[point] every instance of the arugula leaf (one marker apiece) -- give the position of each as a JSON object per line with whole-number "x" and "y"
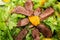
{"x": 4, "y": 14}
{"x": 58, "y": 20}
{"x": 19, "y": 2}
{"x": 13, "y": 19}
{"x": 49, "y": 3}
{"x": 9, "y": 35}
{"x": 15, "y": 31}
{"x": 2, "y": 35}
{"x": 29, "y": 35}
{"x": 51, "y": 22}
{"x": 5, "y": 35}
{"x": 57, "y": 7}
{"x": 35, "y": 1}
{"x": 3, "y": 26}
{"x": 36, "y": 4}
{"x": 57, "y": 34}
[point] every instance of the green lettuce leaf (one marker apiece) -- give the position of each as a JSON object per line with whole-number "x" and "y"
{"x": 51, "y": 22}
{"x": 3, "y": 26}
{"x": 49, "y": 3}
{"x": 13, "y": 19}
{"x": 57, "y": 7}
{"x": 29, "y": 35}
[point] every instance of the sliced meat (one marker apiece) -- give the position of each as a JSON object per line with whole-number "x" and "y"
{"x": 23, "y": 22}
{"x": 29, "y": 5}
{"x": 37, "y": 12}
{"x": 31, "y": 12}
{"x": 48, "y": 12}
{"x": 21, "y": 10}
{"x": 30, "y": 26}
{"x": 21, "y": 35}
{"x": 45, "y": 31}
{"x": 36, "y": 34}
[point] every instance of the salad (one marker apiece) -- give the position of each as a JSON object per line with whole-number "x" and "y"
{"x": 29, "y": 19}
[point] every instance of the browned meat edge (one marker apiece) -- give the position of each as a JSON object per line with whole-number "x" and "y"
{"x": 36, "y": 34}
{"x": 37, "y": 12}
{"x": 21, "y": 10}
{"x": 23, "y": 22}
{"x": 29, "y": 5}
{"x": 45, "y": 31}
{"x": 21, "y": 35}
{"x": 48, "y": 12}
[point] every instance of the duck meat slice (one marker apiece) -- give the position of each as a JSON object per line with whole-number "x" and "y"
{"x": 23, "y": 22}
{"x": 45, "y": 31}
{"x": 36, "y": 34}
{"x": 21, "y": 10}
{"x": 37, "y": 12}
{"x": 21, "y": 34}
{"x": 48, "y": 12}
{"x": 29, "y": 5}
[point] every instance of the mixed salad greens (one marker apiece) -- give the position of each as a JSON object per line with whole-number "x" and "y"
{"x": 8, "y": 22}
